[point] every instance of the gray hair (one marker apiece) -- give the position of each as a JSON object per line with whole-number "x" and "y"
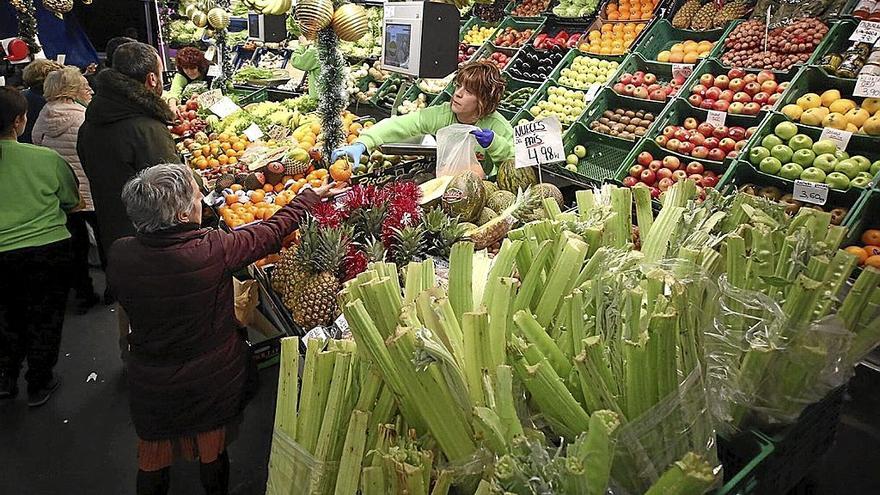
{"x": 156, "y": 195}
{"x": 64, "y": 83}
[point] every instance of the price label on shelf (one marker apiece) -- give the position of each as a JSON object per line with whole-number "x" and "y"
{"x": 224, "y": 107}
{"x": 210, "y": 53}
{"x": 716, "y": 118}
{"x": 866, "y": 32}
{"x": 538, "y": 143}
{"x": 61, "y": 58}
{"x": 214, "y": 70}
{"x": 592, "y": 92}
{"x": 840, "y": 138}
{"x": 683, "y": 70}
{"x": 341, "y": 323}
{"x": 2, "y": 81}
{"x": 867, "y": 86}
{"x": 810, "y": 192}
{"x": 253, "y": 133}
{"x": 389, "y": 11}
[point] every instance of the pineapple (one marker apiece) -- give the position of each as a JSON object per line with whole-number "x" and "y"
{"x": 494, "y": 230}
{"x": 730, "y": 11}
{"x": 295, "y": 167}
{"x": 409, "y": 244}
{"x": 58, "y": 7}
{"x": 441, "y": 232}
{"x": 704, "y": 17}
{"x": 682, "y": 18}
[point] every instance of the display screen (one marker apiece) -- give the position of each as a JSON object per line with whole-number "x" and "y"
{"x": 398, "y": 38}
{"x": 254, "y": 26}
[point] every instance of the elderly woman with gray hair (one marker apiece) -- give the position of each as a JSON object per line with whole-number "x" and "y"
{"x": 189, "y": 367}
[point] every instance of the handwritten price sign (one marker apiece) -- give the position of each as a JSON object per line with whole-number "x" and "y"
{"x": 538, "y": 143}
{"x": 683, "y": 70}
{"x": 867, "y": 86}
{"x": 840, "y": 138}
{"x": 866, "y": 32}
{"x": 810, "y": 192}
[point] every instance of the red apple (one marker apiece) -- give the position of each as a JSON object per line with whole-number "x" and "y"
{"x": 671, "y": 162}
{"x": 740, "y": 145}
{"x": 713, "y": 93}
{"x": 736, "y": 73}
{"x": 673, "y": 144}
{"x": 650, "y": 78}
{"x": 736, "y": 84}
{"x": 629, "y": 89}
{"x": 669, "y": 131}
{"x": 697, "y": 139}
{"x": 630, "y": 181}
{"x": 736, "y": 133}
{"x": 664, "y": 173}
{"x": 706, "y": 129}
{"x": 727, "y": 144}
{"x": 720, "y": 132}
{"x": 700, "y": 152}
{"x": 732, "y": 154}
{"x": 665, "y": 184}
{"x": 695, "y": 100}
{"x": 710, "y": 173}
{"x": 766, "y": 75}
{"x": 736, "y": 108}
{"x": 655, "y": 192}
{"x": 717, "y": 155}
{"x": 751, "y": 108}
{"x": 698, "y": 89}
{"x": 626, "y": 78}
{"x": 709, "y": 181}
{"x": 681, "y": 134}
{"x": 695, "y": 177}
{"x": 722, "y": 81}
{"x": 657, "y": 94}
{"x": 773, "y": 98}
{"x": 742, "y": 97}
{"x": 707, "y": 80}
{"x": 648, "y": 177}
{"x": 748, "y": 78}
{"x": 782, "y": 87}
{"x": 727, "y": 95}
{"x": 686, "y": 147}
{"x": 769, "y": 86}
{"x": 644, "y": 158}
{"x": 711, "y": 142}
{"x": 641, "y": 92}
{"x": 751, "y": 131}
{"x": 721, "y": 105}
{"x": 752, "y": 88}
{"x": 690, "y": 123}
{"x": 707, "y": 104}
{"x": 761, "y": 98}
{"x": 636, "y": 170}
{"x": 661, "y": 140}
{"x": 694, "y": 168}
{"x": 638, "y": 79}
{"x": 679, "y": 175}
{"x": 619, "y": 88}
{"x": 655, "y": 165}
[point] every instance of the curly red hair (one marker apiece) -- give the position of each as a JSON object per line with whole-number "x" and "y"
{"x": 189, "y": 58}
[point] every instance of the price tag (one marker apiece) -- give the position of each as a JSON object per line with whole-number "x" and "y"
{"x": 592, "y": 92}
{"x": 866, "y": 32}
{"x": 810, "y": 192}
{"x": 61, "y": 58}
{"x": 538, "y": 143}
{"x": 341, "y": 323}
{"x": 2, "y": 81}
{"x": 211, "y": 52}
{"x": 253, "y": 133}
{"x": 389, "y": 11}
{"x": 867, "y": 86}
{"x": 214, "y": 70}
{"x": 716, "y": 118}
{"x": 840, "y": 138}
{"x": 683, "y": 70}
{"x": 224, "y": 107}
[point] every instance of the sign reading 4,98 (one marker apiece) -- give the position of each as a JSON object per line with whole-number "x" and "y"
{"x": 538, "y": 143}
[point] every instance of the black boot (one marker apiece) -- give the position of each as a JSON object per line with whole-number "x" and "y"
{"x": 40, "y": 395}
{"x": 215, "y": 475}
{"x": 153, "y": 482}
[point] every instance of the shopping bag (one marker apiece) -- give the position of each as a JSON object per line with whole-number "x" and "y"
{"x": 455, "y": 151}
{"x": 246, "y": 299}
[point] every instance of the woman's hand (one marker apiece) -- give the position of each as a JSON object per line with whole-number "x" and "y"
{"x": 330, "y": 189}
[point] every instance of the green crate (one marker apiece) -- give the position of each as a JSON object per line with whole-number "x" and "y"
{"x": 605, "y": 154}
{"x": 247, "y": 95}
{"x": 442, "y": 98}
{"x": 476, "y": 21}
{"x": 863, "y": 216}
{"x": 597, "y": 26}
{"x": 533, "y": 23}
{"x": 633, "y": 63}
{"x": 607, "y": 99}
{"x": 662, "y": 36}
{"x": 743, "y": 458}
{"x": 513, "y": 85}
{"x": 488, "y": 49}
{"x": 528, "y": 49}
{"x": 573, "y": 54}
{"x": 513, "y": 4}
{"x": 840, "y": 42}
{"x": 385, "y": 84}
{"x": 679, "y": 110}
{"x": 539, "y": 96}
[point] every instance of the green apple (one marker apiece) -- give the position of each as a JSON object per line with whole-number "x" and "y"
{"x": 841, "y": 155}
{"x": 758, "y": 153}
{"x": 848, "y": 167}
{"x": 804, "y": 157}
{"x": 864, "y": 163}
{"x": 800, "y": 141}
{"x": 785, "y": 130}
{"x": 837, "y": 180}
{"x": 861, "y": 181}
{"x": 580, "y": 151}
{"x": 571, "y": 159}
{"x": 813, "y": 174}
{"x": 770, "y": 165}
{"x": 875, "y": 168}
{"x": 782, "y": 153}
{"x": 826, "y": 162}
{"x": 770, "y": 141}
{"x": 823, "y": 146}
{"x": 791, "y": 171}
{"x": 571, "y": 167}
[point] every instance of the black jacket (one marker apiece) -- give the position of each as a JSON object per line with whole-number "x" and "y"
{"x": 125, "y": 131}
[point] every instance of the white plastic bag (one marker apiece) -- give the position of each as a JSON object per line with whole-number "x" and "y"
{"x": 455, "y": 151}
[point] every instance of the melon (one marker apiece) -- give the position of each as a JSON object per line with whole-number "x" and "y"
{"x": 433, "y": 189}
{"x": 490, "y": 187}
{"x": 486, "y": 214}
{"x": 464, "y": 197}
{"x": 513, "y": 179}
{"x": 500, "y": 200}
{"x": 537, "y": 212}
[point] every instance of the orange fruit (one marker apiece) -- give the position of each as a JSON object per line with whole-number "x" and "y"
{"x": 238, "y": 146}
{"x": 222, "y": 159}
{"x": 278, "y": 187}
{"x": 232, "y": 160}
{"x": 316, "y": 182}
{"x": 872, "y": 250}
{"x": 871, "y": 236}
{"x": 197, "y": 153}
{"x": 247, "y": 217}
{"x": 258, "y": 195}
{"x": 230, "y": 152}
{"x": 340, "y": 171}
{"x": 213, "y": 163}
{"x": 873, "y": 261}
{"x": 235, "y": 187}
{"x": 236, "y": 223}
{"x": 860, "y": 253}
{"x": 231, "y": 199}
{"x": 225, "y": 146}
{"x": 268, "y": 187}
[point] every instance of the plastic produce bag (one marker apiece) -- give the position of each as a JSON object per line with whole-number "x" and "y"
{"x": 246, "y": 299}
{"x": 455, "y": 151}
{"x": 293, "y": 470}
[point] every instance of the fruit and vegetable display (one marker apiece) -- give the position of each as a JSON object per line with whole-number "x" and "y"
{"x": 498, "y": 59}
{"x": 370, "y": 44}
{"x": 407, "y": 106}
{"x": 585, "y": 71}
{"x": 831, "y": 109}
{"x": 387, "y": 94}
{"x": 613, "y": 38}
{"x": 514, "y": 100}
{"x": 860, "y": 58}
{"x": 530, "y": 8}
{"x": 512, "y": 37}
{"x": 491, "y": 11}
{"x": 478, "y": 34}
{"x": 791, "y": 205}
{"x": 646, "y": 86}
{"x": 563, "y": 103}
{"x": 188, "y": 121}
{"x": 433, "y": 86}
{"x": 532, "y": 64}
{"x": 626, "y": 10}
{"x": 688, "y": 52}
{"x": 789, "y": 154}
{"x": 465, "y": 52}
{"x": 575, "y": 8}
{"x": 698, "y": 15}
{"x": 703, "y": 140}
{"x": 785, "y": 46}
{"x": 623, "y": 123}
{"x": 868, "y": 249}
{"x": 214, "y": 153}
{"x": 737, "y": 92}
{"x": 561, "y": 40}
{"x": 660, "y": 174}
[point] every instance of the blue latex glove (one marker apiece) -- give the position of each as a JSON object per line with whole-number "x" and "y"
{"x": 353, "y": 150}
{"x": 484, "y": 137}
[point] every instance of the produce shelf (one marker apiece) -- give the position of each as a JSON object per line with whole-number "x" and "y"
{"x": 573, "y": 54}
{"x": 864, "y": 216}
{"x": 533, "y": 23}
{"x": 597, "y": 26}
{"x": 633, "y": 63}
{"x": 514, "y": 85}
{"x": 840, "y": 41}
{"x": 743, "y": 457}
{"x": 476, "y": 21}
{"x": 662, "y": 36}
{"x": 673, "y": 5}
{"x": 523, "y": 57}
{"x": 605, "y": 154}
{"x": 607, "y": 99}
{"x": 601, "y": 12}
{"x": 488, "y": 49}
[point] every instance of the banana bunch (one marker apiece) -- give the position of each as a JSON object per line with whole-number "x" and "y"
{"x": 270, "y": 7}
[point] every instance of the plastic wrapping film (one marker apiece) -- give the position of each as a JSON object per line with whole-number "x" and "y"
{"x": 784, "y": 12}
{"x": 294, "y": 471}
{"x": 761, "y": 371}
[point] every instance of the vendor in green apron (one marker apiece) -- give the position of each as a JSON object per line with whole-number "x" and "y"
{"x": 478, "y": 90}
{"x": 305, "y": 58}
{"x": 191, "y": 66}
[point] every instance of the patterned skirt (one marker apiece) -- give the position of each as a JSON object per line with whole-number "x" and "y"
{"x": 154, "y": 455}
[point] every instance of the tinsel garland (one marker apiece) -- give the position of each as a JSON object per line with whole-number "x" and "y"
{"x": 331, "y": 85}
{"x": 166, "y": 16}
{"x": 27, "y": 25}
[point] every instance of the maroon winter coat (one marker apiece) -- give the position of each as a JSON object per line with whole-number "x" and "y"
{"x": 188, "y": 364}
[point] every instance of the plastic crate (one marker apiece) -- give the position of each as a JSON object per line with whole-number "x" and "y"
{"x": 602, "y": 11}
{"x": 605, "y": 153}
{"x": 476, "y": 21}
{"x": 607, "y": 99}
{"x": 662, "y": 36}
{"x": 743, "y": 458}
{"x": 540, "y": 95}
{"x": 247, "y": 95}
{"x": 597, "y": 26}
{"x": 515, "y": 3}
{"x": 513, "y": 85}
{"x": 488, "y": 49}
{"x": 262, "y": 51}
{"x": 863, "y": 216}
{"x": 573, "y": 54}
{"x": 679, "y": 110}
{"x": 840, "y": 42}
{"x": 633, "y": 63}
{"x": 527, "y": 51}
{"x": 674, "y": 5}
{"x": 533, "y": 23}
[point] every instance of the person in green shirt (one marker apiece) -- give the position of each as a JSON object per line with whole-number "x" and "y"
{"x": 478, "y": 90}
{"x": 38, "y": 187}
{"x": 305, "y": 58}
{"x": 191, "y": 66}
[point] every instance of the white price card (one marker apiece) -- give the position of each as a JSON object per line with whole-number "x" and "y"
{"x": 253, "y": 133}
{"x": 840, "y": 138}
{"x": 867, "y": 86}
{"x": 716, "y": 118}
{"x": 2, "y": 81}
{"x": 810, "y": 192}
{"x": 538, "y": 143}
{"x": 341, "y": 323}
{"x": 389, "y": 11}
{"x": 683, "y": 70}
{"x": 224, "y": 107}
{"x": 210, "y": 53}
{"x": 866, "y": 32}
{"x": 214, "y": 70}
{"x": 592, "y": 92}
{"x": 61, "y": 58}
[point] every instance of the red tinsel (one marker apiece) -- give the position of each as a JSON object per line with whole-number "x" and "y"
{"x": 355, "y": 262}
{"x": 329, "y": 214}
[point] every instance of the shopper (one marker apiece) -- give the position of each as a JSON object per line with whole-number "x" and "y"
{"x": 189, "y": 369}
{"x": 112, "y": 45}
{"x": 67, "y": 93}
{"x": 191, "y": 66}
{"x": 125, "y": 131}
{"x": 38, "y": 187}
{"x": 479, "y": 87}
{"x": 33, "y": 77}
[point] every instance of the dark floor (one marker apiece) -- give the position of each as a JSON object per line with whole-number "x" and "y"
{"x": 83, "y": 442}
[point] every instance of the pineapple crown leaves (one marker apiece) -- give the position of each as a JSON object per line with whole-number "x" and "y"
{"x": 322, "y": 249}
{"x": 409, "y": 244}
